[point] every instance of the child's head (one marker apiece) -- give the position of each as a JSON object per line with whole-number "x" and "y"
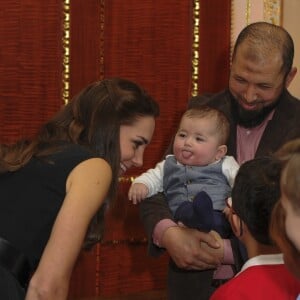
{"x": 286, "y": 215}
{"x": 201, "y": 136}
{"x": 289, "y": 154}
{"x": 254, "y": 194}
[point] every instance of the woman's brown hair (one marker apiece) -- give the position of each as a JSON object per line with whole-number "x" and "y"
{"x": 91, "y": 119}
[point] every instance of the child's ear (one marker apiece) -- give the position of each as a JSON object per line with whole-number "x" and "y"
{"x": 235, "y": 223}
{"x": 221, "y": 152}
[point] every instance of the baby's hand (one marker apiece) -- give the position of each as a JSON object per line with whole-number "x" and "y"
{"x": 137, "y": 192}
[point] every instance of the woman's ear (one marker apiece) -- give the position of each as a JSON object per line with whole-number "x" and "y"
{"x": 221, "y": 152}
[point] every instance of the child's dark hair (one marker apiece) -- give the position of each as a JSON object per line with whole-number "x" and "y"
{"x": 289, "y": 155}
{"x": 255, "y": 192}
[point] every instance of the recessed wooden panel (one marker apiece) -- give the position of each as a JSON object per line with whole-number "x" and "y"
{"x": 84, "y": 43}
{"x": 31, "y": 65}
{"x": 150, "y": 42}
{"x": 147, "y": 41}
{"x": 214, "y": 46}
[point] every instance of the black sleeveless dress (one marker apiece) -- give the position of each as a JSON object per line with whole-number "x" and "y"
{"x": 30, "y": 200}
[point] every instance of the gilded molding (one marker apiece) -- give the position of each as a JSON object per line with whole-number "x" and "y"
{"x": 102, "y": 9}
{"x": 101, "y": 62}
{"x": 195, "y": 47}
{"x": 126, "y": 179}
{"x": 129, "y": 241}
{"x": 66, "y": 52}
{"x": 272, "y": 11}
{"x": 248, "y": 11}
{"x": 97, "y": 272}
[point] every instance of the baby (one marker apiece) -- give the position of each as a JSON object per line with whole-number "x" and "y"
{"x": 198, "y": 177}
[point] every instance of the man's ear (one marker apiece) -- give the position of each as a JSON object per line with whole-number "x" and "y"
{"x": 290, "y": 76}
{"x": 221, "y": 152}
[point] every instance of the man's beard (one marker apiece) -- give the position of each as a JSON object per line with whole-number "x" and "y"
{"x": 251, "y": 118}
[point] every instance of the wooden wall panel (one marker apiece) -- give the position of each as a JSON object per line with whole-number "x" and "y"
{"x": 150, "y": 42}
{"x": 30, "y": 65}
{"x": 84, "y": 67}
{"x": 84, "y": 43}
{"x": 147, "y": 41}
{"x": 142, "y": 41}
{"x": 214, "y": 48}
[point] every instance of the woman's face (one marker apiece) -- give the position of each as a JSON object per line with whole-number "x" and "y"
{"x": 133, "y": 141}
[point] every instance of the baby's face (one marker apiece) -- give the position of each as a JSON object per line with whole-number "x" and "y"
{"x": 197, "y": 142}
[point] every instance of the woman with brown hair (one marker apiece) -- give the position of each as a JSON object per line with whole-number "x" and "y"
{"x": 54, "y": 188}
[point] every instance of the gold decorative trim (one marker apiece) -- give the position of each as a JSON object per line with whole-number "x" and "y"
{"x": 248, "y": 12}
{"x": 126, "y": 179}
{"x": 66, "y": 52}
{"x": 97, "y": 272}
{"x": 100, "y": 245}
{"x": 102, "y": 7}
{"x": 129, "y": 241}
{"x": 272, "y": 11}
{"x": 195, "y": 47}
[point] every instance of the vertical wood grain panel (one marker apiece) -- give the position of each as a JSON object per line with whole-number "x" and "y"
{"x": 214, "y": 49}
{"x": 147, "y": 41}
{"x": 84, "y": 44}
{"x": 150, "y": 42}
{"x": 30, "y": 68}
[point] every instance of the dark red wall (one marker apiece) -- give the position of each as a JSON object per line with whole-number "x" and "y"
{"x": 147, "y": 41}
